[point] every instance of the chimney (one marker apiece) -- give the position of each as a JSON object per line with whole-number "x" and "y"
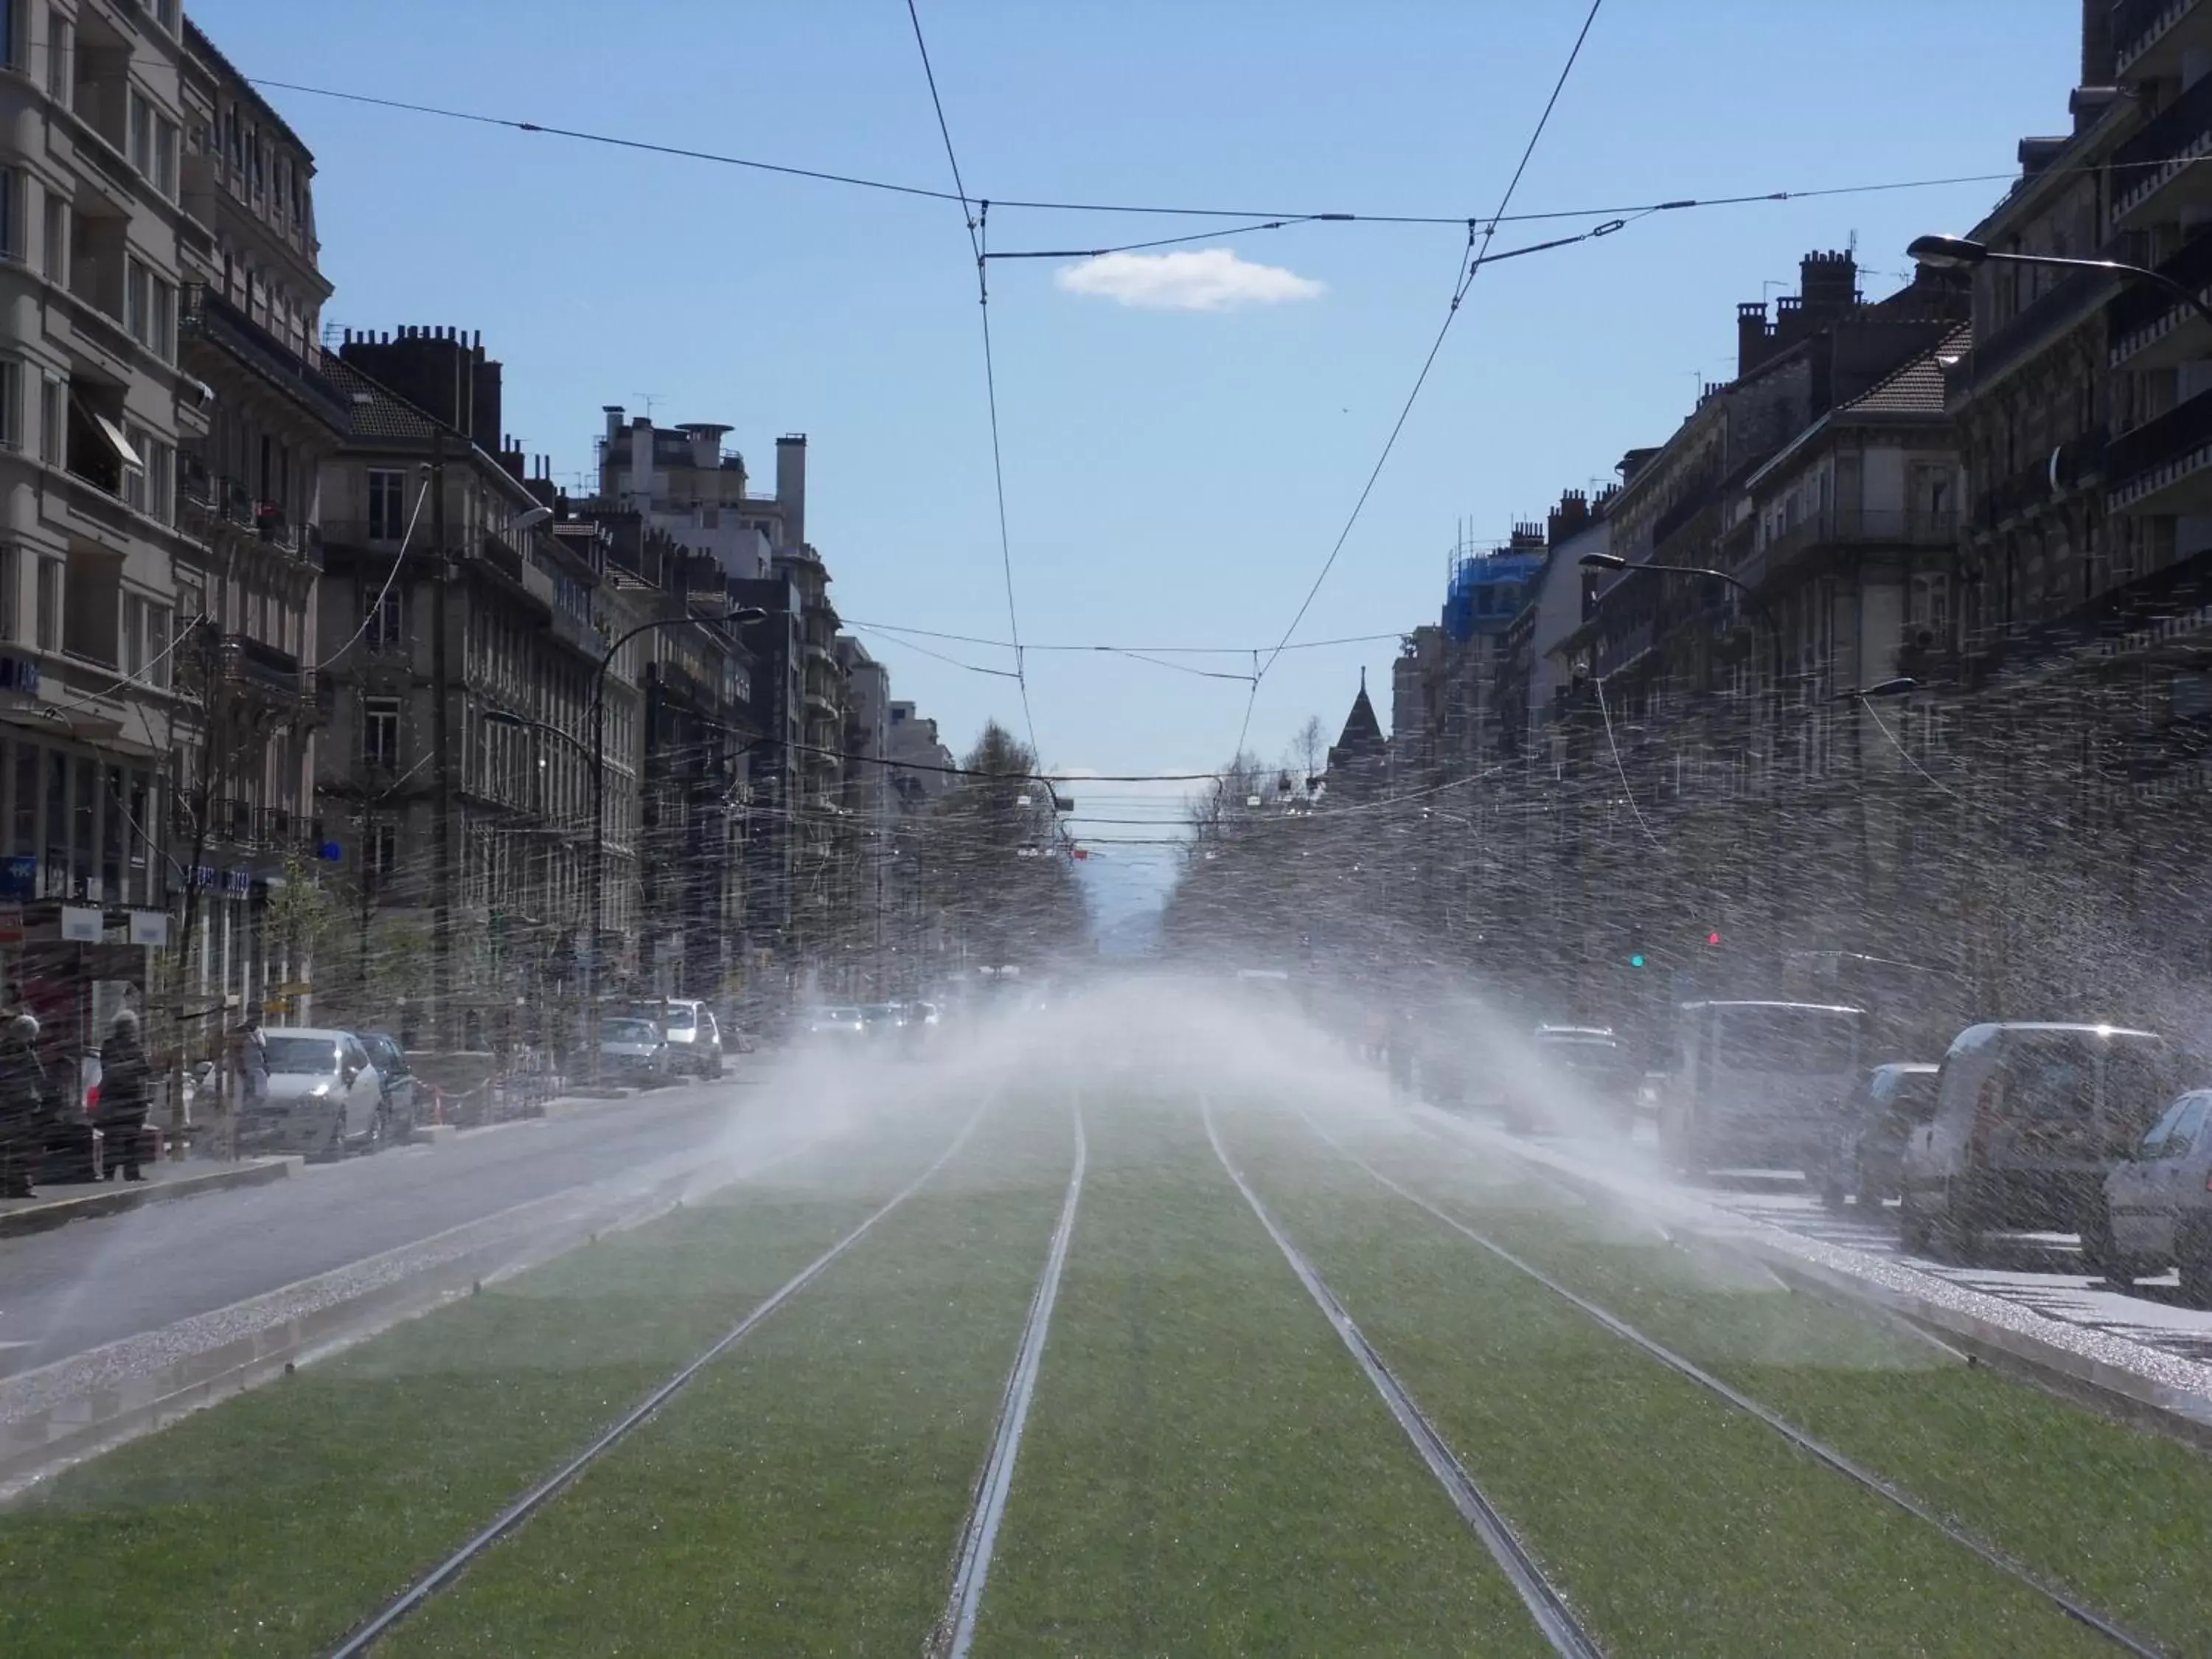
{"x": 1828, "y": 286}
{"x": 2100, "y": 63}
{"x": 791, "y": 486}
{"x": 706, "y": 443}
{"x": 640, "y": 463}
{"x": 1570, "y": 517}
{"x": 614, "y": 414}
{"x": 1753, "y": 337}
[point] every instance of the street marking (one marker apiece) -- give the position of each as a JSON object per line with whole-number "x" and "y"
{"x": 981, "y": 1533}
{"x": 1545, "y": 1605}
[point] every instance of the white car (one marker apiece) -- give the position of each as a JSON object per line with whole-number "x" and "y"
{"x": 2160, "y": 1200}
{"x": 325, "y": 1098}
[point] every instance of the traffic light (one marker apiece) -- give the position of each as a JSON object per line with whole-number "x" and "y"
{"x": 1636, "y": 960}
{"x": 1713, "y": 936}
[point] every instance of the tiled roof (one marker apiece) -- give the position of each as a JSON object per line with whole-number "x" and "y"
{"x": 377, "y": 413}
{"x": 1916, "y": 388}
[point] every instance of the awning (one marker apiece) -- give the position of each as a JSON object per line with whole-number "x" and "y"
{"x": 111, "y": 432}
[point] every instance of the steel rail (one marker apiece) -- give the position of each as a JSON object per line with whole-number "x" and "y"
{"x": 1819, "y": 1450}
{"x": 955, "y": 1634}
{"x": 362, "y": 1639}
{"x": 1545, "y": 1605}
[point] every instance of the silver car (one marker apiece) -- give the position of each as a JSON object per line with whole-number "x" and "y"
{"x": 631, "y": 1051}
{"x": 323, "y": 1098}
{"x": 2160, "y": 1202}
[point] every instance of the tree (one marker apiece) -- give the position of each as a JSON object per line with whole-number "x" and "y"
{"x": 995, "y": 866}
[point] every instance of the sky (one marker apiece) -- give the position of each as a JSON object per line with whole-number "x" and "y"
{"x": 1184, "y": 432}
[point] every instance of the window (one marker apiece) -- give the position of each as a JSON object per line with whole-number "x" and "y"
{"x": 165, "y": 157}
{"x": 53, "y": 420}
{"x": 50, "y": 605}
{"x": 134, "y": 476}
{"x": 161, "y": 480}
{"x": 53, "y": 256}
{"x": 91, "y": 619}
{"x": 387, "y": 506}
{"x": 11, "y": 211}
{"x": 10, "y": 51}
{"x": 386, "y": 622}
{"x": 159, "y": 674}
{"x": 380, "y": 732}
{"x": 142, "y": 134}
{"x": 381, "y": 858}
{"x": 138, "y": 303}
{"x": 11, "y": 403}
{"x": 164, "y": 13}
{"x": 61, "y": 48}
{"x": 255, "y": 152}
{"x": 133, "y": 657}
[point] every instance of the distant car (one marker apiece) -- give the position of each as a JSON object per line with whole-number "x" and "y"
{"x": 402, "y": 1094}
{"x": 694, "y": 1040}
{"x": 2159, "y": 1201}
{"x": 1598, "y": 1066}
{"x": 2029, "y": 1119}
{"x": 632, "y": 1051}
{"x": 835, "y": 1024}
{"x": 323, "y": 1098}
{"x": 1866, "y": 1155}
{"x": 1754, "y": 1085}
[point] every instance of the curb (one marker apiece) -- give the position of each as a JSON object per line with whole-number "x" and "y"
{"x": 45, "y": 1216}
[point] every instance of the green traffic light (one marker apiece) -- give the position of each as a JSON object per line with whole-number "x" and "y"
{"x": 1637, "y": 961}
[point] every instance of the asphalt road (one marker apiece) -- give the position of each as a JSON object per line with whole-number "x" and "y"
{"x": 96, "y": 1281}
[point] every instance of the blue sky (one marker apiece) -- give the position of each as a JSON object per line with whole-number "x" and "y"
{"x": 1173, "y": 477}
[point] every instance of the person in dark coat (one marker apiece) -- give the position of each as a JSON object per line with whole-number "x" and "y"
{"x": 23, "y": 1102}
{"x": 124, "y": 1093}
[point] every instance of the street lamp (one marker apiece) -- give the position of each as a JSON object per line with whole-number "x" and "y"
{"x": 1960, "y": 253}
{"x": 1615, "y": 561}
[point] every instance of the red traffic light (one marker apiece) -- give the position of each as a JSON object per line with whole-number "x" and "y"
{"x": 1714, "y": 937}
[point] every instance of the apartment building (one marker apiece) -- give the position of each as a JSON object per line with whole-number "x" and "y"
{"x": 249, "y": 491}
{"x": 94, "y": 405}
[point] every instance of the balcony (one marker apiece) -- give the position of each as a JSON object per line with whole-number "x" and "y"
{"x": 209, "y": 317}
{"x": 2143, "y": 167}
{"x": 243, "y": 662}
{"x": 2148, "y": 329}
{"x": 2164, "y": 465}
{"x": 2147, "y": 38}
{"x": 2077, "y": 462}
{"x": 1860, "y": 528}
{"x": 1699, "y": 497}
{"x": 2064, "y": 306}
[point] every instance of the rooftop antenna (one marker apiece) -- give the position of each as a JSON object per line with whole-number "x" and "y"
{"x": 649, "y": 398}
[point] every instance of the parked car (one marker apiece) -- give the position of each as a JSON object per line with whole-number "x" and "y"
{"x": 402, "y": 1094}
{"x": 839, "y": 1024}
{"x": 1598, "y": 1066}
{"x": 694, "y": 1038}
{"x": 1754, "y": 1085}
{"x": 1873, "y": 1122}
{"x": 2159, "y": 1201}
{"x": 324, "y": 1097}
{"x": 632, "y": 1051}
{"x": 2029, "y": 1119}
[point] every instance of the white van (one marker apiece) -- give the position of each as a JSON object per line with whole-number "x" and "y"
{"x": 1757, "y": 1085}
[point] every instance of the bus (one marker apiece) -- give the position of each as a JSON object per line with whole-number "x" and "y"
{"x": 1757, "y": 1085}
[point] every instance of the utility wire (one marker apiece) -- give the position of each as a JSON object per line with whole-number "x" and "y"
{"x": 1459, "y": 294}
{"x": 978, "y": 218}
{"x": 1127, "y": 650}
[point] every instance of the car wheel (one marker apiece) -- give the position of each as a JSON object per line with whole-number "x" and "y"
{"x": 1832, "y": 1194}
{"x": 1914, "y": 1236}
{"x": 334, "y": 1147}
{"x": 1956, "y": 1237}
{"x": 380, "y": 1128}
{"x": 2099, "y": 1253}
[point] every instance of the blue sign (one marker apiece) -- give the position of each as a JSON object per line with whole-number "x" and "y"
{"x": 19, "y": 877}
{"x": 19, "y": 674}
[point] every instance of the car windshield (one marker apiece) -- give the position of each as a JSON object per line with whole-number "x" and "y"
{"x": 922, "y": 897}
{"x": 1783, "y": 1039}
{"x": 301, "y": 1056}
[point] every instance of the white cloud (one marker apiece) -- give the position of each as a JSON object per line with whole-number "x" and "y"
{"x": 1209, "y": 279}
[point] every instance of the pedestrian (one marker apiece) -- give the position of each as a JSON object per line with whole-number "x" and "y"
{"x": 124, "y": 1092}
{"x": 249, "y": 1061}
{"x": 22, "y": 1097}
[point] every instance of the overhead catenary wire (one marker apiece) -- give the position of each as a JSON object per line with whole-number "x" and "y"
{"x": 1008, "y": 203}
{"x": 977, "y": 215}
{"x": 1478, "y": 249}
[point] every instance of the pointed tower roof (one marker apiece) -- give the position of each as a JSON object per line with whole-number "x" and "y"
{"x": 1363, "y": 732}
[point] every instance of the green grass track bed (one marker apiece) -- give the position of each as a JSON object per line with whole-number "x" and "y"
{"x": 1672, "y": 1523}
{"x": 1205, "y": 1470}
{"x": 274, "y": 1523}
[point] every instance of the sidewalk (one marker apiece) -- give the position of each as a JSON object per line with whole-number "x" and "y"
{"x": 58, "y": 1203}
